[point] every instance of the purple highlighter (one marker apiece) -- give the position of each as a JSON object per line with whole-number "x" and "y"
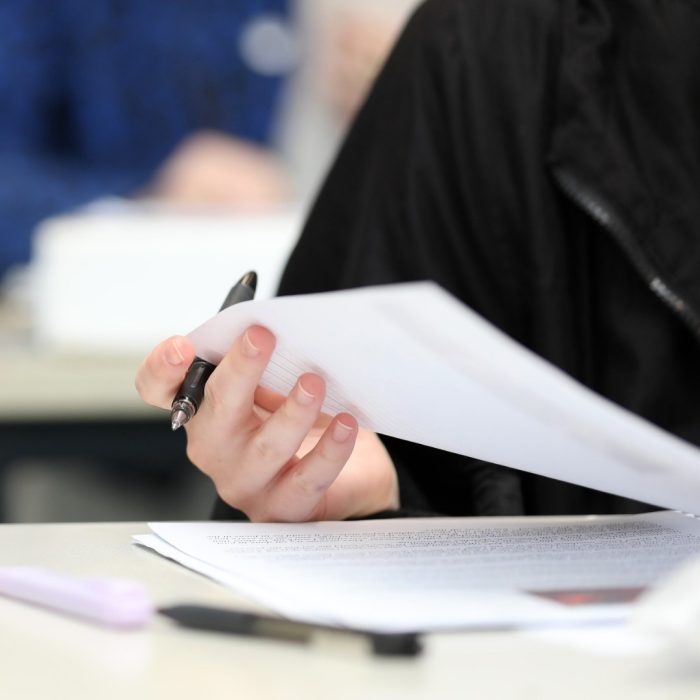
{"x": 110, "y": 602}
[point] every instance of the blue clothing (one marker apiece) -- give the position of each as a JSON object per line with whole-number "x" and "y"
{"x": 95, "y": 95}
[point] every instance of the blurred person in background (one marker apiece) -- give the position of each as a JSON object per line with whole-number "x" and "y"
{"x": 175, "y": 101}
{"x": 167, "y": 98}
{"x": 344, "y": 44}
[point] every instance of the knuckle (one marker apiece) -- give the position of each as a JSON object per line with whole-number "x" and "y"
{"x": 307, "y": 485}
{"x": 266, "y": 450}
{"x": 213, "y": 394}
{"x": 294, "y": 413}
{"x": 219, "y": 402}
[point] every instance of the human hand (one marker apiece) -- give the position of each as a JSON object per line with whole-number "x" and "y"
{"x": 275, "y": 458}
{"x": 213, "y": 168}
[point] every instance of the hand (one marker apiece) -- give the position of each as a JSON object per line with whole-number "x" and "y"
{"x": 275, "y": 458}
{"x": 213, "y": 168}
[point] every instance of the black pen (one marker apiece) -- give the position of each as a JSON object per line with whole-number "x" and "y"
{"x": 189, "y": 397}
{"x": 252, "y": 625}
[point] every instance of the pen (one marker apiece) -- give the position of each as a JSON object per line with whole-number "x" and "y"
{"x": 252, "y": 625}
{"x": 189, "y": 397}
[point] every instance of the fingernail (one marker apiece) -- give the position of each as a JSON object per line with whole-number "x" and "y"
{"x": 173, "y": 355}
{"x": 341, "y": 432}
{"x": 248, "y": 347}
{"x": 304, "y": 397}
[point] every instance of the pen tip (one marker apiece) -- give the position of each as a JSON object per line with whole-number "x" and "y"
{"x": 178, "y": 419}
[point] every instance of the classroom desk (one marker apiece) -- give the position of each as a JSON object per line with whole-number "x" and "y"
{"x": 44, "y": 655}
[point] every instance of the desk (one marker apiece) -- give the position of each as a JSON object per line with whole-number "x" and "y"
{"x": 43, "y": 655}
{"x": 78, "y": 407}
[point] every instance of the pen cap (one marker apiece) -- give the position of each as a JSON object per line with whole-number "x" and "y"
{"x": 243, "y": 290}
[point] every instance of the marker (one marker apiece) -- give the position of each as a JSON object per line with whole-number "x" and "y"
{"x": 106, "y": 601}
{"x": 189, "y": 397}
{"x": 265, "y": 627}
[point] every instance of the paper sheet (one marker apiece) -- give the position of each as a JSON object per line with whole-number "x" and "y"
{"x": 413, "y": 362}
{"x": 420, "y": 574}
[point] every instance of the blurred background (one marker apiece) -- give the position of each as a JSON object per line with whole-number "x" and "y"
{"x": 150, "y": 153}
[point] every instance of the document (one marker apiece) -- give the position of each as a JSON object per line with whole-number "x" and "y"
{"x": 428, "y": 574}
{"x": 413, "y": 362}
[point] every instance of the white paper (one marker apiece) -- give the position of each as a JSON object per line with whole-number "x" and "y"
{"x": 412, "y": 362}
{"x": 119, "y": 278}
{"x": 420, "y": 574}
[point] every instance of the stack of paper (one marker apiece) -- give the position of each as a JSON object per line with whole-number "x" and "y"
{"x": 412, "y": 575}
{"x": 411, "y": 361}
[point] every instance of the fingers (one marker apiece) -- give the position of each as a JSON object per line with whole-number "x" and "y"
{"x": 268, "y": 399}
{"x": 252, "y": 455}
{"x": 300, "y": 492}
{"x": 229, "y": 395}
{"x": 276, "y": 442}
{"x": 263, "y": 447}
{"x": 162, "y": 372}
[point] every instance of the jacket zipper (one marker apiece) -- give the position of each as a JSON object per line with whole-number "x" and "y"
{"x": 606, "y": 216}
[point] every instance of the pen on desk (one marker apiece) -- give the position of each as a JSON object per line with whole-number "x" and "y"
{"x": 266, "y": 627}
{"x": 189, "y": 397}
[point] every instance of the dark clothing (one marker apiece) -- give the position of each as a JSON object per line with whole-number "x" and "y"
{"x": 95, "y": 95}
{"x": 540, "y": 159}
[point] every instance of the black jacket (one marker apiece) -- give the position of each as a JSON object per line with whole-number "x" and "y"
{"x": 540, "y": 159}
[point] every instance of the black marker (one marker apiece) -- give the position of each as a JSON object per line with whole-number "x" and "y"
{"x": 251, "y": 625}
{"x": 189, "y": 397}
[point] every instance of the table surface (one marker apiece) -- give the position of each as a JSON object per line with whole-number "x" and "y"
{"x": 44, "y": 655}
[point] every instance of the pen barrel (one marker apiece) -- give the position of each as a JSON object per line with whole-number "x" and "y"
{"x": 254, "y": 625}
{"x": 189, "y": 397}
{"x": 192, "y": 388}
{"x": 238, "y": 294}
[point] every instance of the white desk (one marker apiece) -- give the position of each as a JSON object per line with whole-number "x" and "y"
{"x": 43, "y": 655}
